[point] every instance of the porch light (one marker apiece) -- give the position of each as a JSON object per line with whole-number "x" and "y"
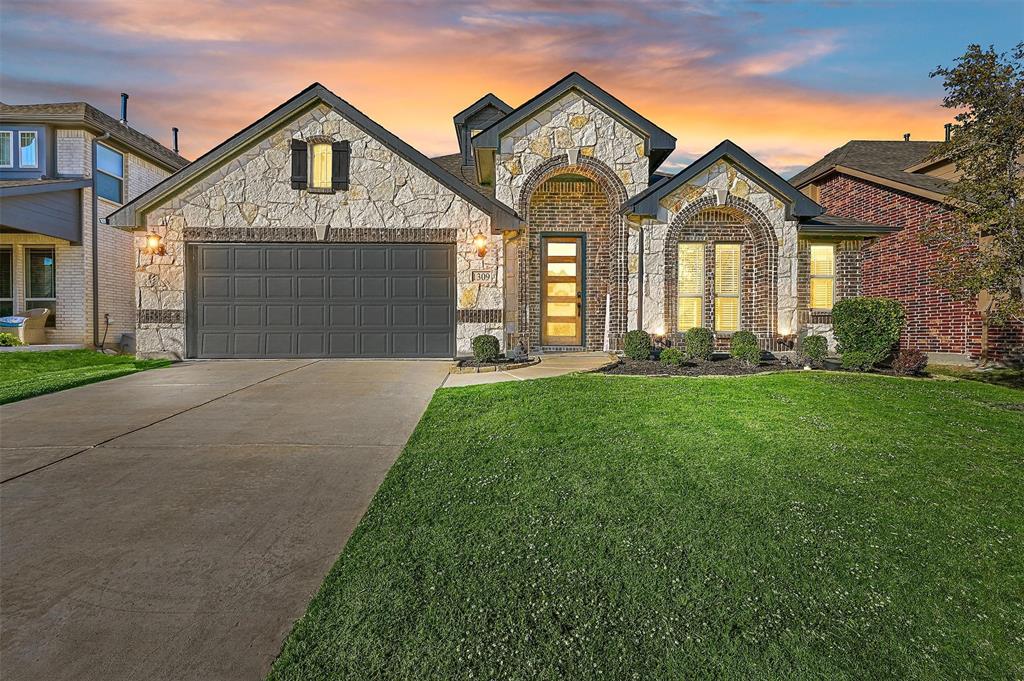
{"x": 154, "y": 245}
{"x": 480, "y": 244}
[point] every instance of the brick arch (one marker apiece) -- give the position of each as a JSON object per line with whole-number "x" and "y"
{"x": 606, "y": 246}
{"x": 759, "y": 258}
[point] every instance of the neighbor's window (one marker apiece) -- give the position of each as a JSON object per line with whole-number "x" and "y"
{"x": 29, "y": 149}
{"x": 823, "y": 276}
{"x": 109, "y": 174}
{"x": 727, "y": 287}
{"x": 6, "y": 149}
{"x": 691, "y": 286}
{"x": 41, "y": 281}
{"x": 321, "y": 178}
{"x": 6, "y": 282}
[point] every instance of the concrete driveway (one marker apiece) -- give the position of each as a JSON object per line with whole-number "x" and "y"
{"x": 174, "y": 523}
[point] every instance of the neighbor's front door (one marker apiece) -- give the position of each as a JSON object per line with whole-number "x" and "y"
{"x": 561, "y": 290}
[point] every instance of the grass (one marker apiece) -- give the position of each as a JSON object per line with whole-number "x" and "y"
{"x": 1011, "y": 378}
{"x": 27, "y": 374}
{"x": 800, "y": 525}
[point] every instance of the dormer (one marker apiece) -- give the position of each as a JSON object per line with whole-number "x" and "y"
{"x": 481, "y": 114}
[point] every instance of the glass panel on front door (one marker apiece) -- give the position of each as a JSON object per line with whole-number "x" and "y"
{"x": 562, "y": 290}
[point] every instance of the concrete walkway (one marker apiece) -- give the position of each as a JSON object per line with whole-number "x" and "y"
{"x": 173, "y": 524}
{"x": 555, "y": 364}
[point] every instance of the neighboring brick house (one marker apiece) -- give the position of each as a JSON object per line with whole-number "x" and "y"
{"x": 316, "y": 232}
{"x": 53, "y": 253}
{"x": 895, "y": 183}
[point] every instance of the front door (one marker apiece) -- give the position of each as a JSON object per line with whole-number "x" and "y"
{"x": 561, "y": 290}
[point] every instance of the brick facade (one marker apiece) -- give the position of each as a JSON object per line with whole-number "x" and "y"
{"x": 899, "y": 266}
{"x": 581, "y": 205}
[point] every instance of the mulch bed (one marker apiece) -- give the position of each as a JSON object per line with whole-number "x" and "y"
{"x": 501, "y": 361}
{"x": 717, "y": 367}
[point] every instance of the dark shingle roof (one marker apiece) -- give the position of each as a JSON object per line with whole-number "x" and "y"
{"x": 838, "y": 224}
{"x": 81, "y": 112}
{"x": 453, "y": 164}
{"x": 884, "y": 159}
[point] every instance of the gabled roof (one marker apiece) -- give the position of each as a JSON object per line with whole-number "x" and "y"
{"x": 453, "y": 164}
{"x": 797, "y": 205}
{"x": 490, "y": 99}
{"x": 502, "y": 217}
{"x": 659, "y": 143}
{"x": 81, "y": 113}
{"x": 888, "y": 162}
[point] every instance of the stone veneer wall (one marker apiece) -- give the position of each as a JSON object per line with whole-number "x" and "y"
{"x": 746, "y": 195}
{"x": 249, "y": 198}
{"x": 574, "y": 131}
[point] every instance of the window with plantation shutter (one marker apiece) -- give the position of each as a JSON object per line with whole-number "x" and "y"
{"x": 727, "y": 287}
{"x": 690, "y": 289}
{"x": 823, "y": 276}
{"x": 321, "y": 178}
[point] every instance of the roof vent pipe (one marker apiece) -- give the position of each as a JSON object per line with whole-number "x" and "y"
{"x": 174, "y": 140}
{"x": 906, "y": 137}
{"x": 949, "y": 131}
{"x": 124, "y": 108}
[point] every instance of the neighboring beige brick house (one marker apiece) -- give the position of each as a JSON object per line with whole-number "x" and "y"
{"x": 47, "y": 223}
{"x": 315, "y": 232}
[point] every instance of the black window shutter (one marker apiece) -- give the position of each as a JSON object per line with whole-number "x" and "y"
{"x": 300, "y": 164}
{"x": 340, "y": 152}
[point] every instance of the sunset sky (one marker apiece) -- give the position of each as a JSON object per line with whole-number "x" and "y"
{"x": 788, "y": 81}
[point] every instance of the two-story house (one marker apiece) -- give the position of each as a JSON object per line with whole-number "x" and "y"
{"x": 63, "y": 167}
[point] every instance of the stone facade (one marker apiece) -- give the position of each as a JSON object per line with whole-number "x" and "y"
{"x": 249, "y": 198}
{"x": 769, "y": 304}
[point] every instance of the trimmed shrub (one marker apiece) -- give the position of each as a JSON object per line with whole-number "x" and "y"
{"x": 485, "y": 348}
{"x": 9, "y": 340}
{"x": 671, "y": 356}
{"x": 813, "y": 349}
{"x": 909, "y": 362}
{"x": 858, "y": 360}
{"x": 637, "y": 344}
{"x": 700, "y": 344}
{"x": 869, "y": 327}
{"x": 743, "y": 346}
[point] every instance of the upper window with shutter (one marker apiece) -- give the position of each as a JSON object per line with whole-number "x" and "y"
{"x": 690, "y": 288}
{"x": 320, "y": 164}
{"x": 823, "y": 276}
{"x": 728, "y": 282}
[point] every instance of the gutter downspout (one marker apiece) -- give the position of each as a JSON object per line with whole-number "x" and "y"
{"x": 95, "y": 248}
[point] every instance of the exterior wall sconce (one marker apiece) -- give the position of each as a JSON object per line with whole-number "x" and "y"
{"x": 154, "y": 245}
{"x": 480, "y": 244}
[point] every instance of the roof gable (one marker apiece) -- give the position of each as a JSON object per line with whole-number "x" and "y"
{"x": 659, "y": 143}
{"x": 488, "y": 100}
{"x": 129, "y": 215}
{"x": 797, "y": 205}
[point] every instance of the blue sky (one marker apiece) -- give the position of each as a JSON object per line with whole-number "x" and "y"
{"x": 788, "y": 81}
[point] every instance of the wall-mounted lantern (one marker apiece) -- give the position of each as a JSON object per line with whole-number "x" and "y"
{"x": 480, "y": 244}
{"x": 154, "y": 245}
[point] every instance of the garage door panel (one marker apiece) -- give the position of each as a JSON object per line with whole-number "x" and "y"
{"x": 320, "y": 300}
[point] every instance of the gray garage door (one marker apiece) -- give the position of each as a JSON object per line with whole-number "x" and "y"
{"x": 308, "y": 300}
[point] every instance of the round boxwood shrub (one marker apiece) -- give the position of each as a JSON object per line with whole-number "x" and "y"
{"x": 909, "y": 362}
{"x": 869, "y": 327}
{"x": 700, "y": 344}
{"x": 813, "y": 349}
{"x": 671, "y": 356}
{"x": 637, "y": 344}
{"x": 485, "y": 348}
{"x": 743, "y": 346}
{"x": 9, "y": 340}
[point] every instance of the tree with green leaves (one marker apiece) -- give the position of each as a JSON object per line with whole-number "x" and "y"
{"x": 981, "y": 251}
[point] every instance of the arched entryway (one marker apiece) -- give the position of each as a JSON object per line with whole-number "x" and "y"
{"x": 573, "y": 264}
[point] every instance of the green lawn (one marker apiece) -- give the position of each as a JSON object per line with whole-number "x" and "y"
{"x": 27, "y": 374}
{"x": 800, "y": 525}
{"x": 1013, "y": 378}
